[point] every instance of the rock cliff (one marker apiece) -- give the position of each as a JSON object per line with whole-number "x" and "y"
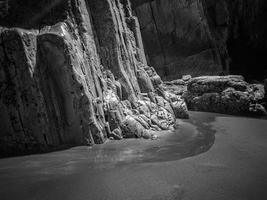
{"x": 204, "y": 37}
{"x": 74, "y": 72}
{"x": 177, "y": 38}
{"x": 239, "y": 26}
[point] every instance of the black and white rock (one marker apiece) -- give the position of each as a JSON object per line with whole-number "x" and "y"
{"x": 225, "y": 94}
{"x": 77, "y": 76}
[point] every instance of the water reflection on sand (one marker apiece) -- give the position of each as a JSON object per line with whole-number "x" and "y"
{"x": 186, "y": 164}
{"x": 192, "y": 138}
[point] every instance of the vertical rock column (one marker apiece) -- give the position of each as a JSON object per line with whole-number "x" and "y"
{"x": 24, "y": 124}
{"x": 78, "y": 81}
{"x": 70, "y": 87}
{"x": 117, "y": 44}
{"x": 265, "y": 92}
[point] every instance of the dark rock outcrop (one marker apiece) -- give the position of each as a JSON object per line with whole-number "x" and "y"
{"x": 240, "y": 28}
{"x": 225, "y": 94}
{"x": 177, "y": 38}
{"x": 204, "y": 37}
{"x": 265, "y": 90}
{"x": 76, "y": 74}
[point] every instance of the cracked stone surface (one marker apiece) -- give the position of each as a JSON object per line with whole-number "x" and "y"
{"x": 77, "y": 75}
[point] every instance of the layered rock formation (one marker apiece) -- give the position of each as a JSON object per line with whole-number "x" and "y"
{"x": 204, "y": 37}
{"x": 221, "y": 94}
{"x": 76, "y": 74}
{"x": 265, "y": 90}
{"x": 177, "y": 38}
{"x": 225, "y": 94}
{"x": 240, "y": 28}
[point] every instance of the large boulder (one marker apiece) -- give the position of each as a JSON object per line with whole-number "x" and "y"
{"x": 226, "y": 94}
{"x": 180, "y": 109}
{"x": 144, "y": 81}
{"x": 131, "y": 128}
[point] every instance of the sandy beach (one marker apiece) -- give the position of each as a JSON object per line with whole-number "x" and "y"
{"x": 210, "y": 156}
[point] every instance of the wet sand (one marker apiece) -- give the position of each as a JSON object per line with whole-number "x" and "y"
{"x": 210, "y": 157}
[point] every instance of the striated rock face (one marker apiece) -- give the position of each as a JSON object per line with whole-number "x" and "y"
{"x": 177, "y": 38}
{"x": 221, "y": 94}
{"x": 225, "y": 94}
{"x": 204, "y": 37}
{"x": 75, "y": 73}
{"x": 240, "y": 28}
{"x": 265, "y": 90}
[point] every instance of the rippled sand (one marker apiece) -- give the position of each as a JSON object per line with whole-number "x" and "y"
{"x": 210, "y": 157}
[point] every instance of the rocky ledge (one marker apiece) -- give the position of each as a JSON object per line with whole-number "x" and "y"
{"x": 222, "y": 94}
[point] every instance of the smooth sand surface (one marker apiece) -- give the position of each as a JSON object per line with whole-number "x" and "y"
{"x": 210, "y": 157}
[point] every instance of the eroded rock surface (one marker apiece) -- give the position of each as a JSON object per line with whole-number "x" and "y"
{"x": 204, "y": 37}
{"x": 79, "y": 78}
{"x": 177, "y": 38}
{"x": 265, "y": 90}
{"x": 240, "y": 28}
{"x": 225, "y": 94}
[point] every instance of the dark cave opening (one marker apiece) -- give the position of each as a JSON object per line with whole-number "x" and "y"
{"x": 247, "y": 42}
{"x": 247, "y": 60}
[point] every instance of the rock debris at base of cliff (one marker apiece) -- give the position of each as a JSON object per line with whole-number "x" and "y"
{"x": 221, "y": 94}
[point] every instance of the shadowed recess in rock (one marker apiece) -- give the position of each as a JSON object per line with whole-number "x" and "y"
{"x": 204, "y": 37}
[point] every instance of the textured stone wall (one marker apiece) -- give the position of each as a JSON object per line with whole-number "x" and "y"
{"x": 240, "y": 28}
{"x": 177, "y": 38}
{"x": 75, "y": 73}
{"x": 201, "y": 37}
